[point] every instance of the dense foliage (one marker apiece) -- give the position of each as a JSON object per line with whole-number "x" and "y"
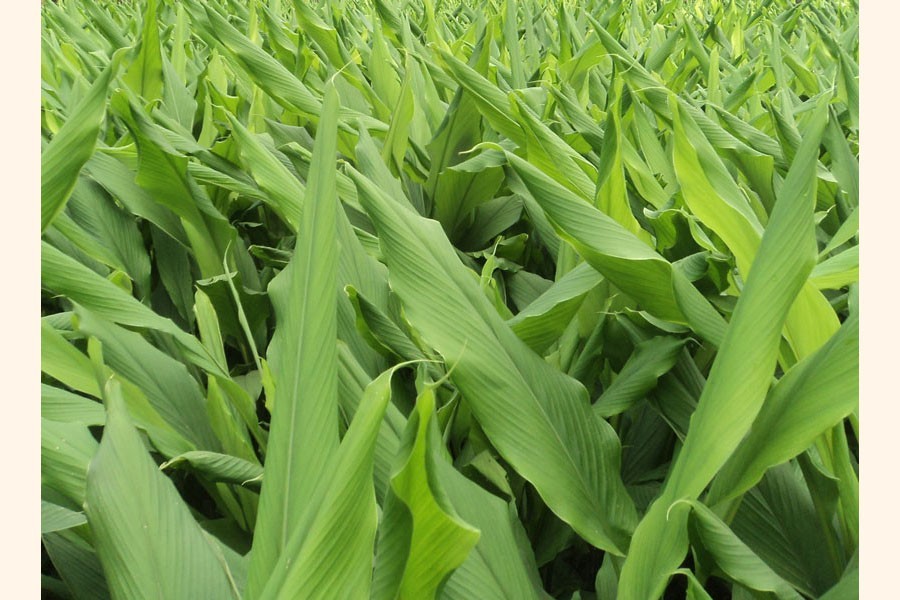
{"x": 415, "y": 299}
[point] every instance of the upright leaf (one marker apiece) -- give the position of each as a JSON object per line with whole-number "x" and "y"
{"x": 145, "y": 74}
{"x": 303, "y": 357}
{"x": 438, "y": 539}
{"x": 740, "y": 376}
{"x": 337, "y": 526}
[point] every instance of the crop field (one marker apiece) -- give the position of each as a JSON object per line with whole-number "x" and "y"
{"x": 469, "y": 300}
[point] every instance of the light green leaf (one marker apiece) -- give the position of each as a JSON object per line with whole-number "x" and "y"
{"x": 714, "y": 197}
{"x": 71, "y": 147}
{"x": 439, "y": 539}
{"x": 337, "y": 526}
{"x": 145, "y": 74}
{"x": 838, "y": 271}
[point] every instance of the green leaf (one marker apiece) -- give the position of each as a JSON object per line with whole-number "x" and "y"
{"x": 167, "y": 384}
{"x": 439, "y": 540}
{"x": 63, "y": 275}
{"x": 547, "y": 151}
{"x": 714, "y": 197}
{"x": 612, "y": 195}
{"x": 734, "y": 558}
{"x": 397, "y": 138}
{"x": 303, "y": 357}
{"x": 113, "y": 232}
{"x": 501, "y": 565}
{"x": 277, "y": 81}
{"x": 848, "y": 230}
{"x": 543, "y": 321}
{"x": 145, "y": 74}
{"x": 782, "y": 524}
{"x": 218, "y": 467}
{"x": 337, "y": 526}
{"x": 847, "y": 588}
{"x": 140, "y": 524}
{"x": 455, "y": 193}
{"x": 491, "y": 102}
{"x": 76, "y": 562}
{"x": 162, "y": 171}
{"x": 281, "y": 188}
{"x": 812, "y": 397}
{"x": 62, "y": 361}
{"x": 380, "y": 330}
{"x": 118, "y": 180}
{"x": 651, "y": 360}
{"x": 65, "y": 407}
{"x": 58, "y": 518}
{"x": 838, "y": 271}
{"x": 619, "y": 256}
{"x": 66, "y": 451}
{"x": 695, "y": 591}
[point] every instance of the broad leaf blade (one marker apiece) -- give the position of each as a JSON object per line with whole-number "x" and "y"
{"x": 142, "y": 529}
{"x": 338, "y": 524}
